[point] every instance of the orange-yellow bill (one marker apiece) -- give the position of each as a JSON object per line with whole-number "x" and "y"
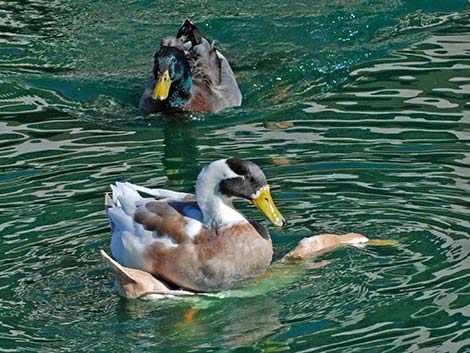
{"x": 266, "y": 205}
{"x": 162, "y": 88}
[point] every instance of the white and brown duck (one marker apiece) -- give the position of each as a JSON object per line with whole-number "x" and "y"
{"x": 197, "y": 242}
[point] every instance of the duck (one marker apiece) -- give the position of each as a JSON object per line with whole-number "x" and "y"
{"x": 197, "y": 242}
{"x": 190, "y": 74}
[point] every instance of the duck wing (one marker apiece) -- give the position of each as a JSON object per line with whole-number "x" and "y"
{"x": 157, "y": 237}
{"x": 138, "y": 222}
{"x": 214, "y": 84}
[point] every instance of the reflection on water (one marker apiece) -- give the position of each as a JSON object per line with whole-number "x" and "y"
{"x": 231, "y": 323}
{"x": 358, "y": 115}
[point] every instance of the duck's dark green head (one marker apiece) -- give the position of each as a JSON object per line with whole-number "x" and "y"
{"x": 173, "y": 76}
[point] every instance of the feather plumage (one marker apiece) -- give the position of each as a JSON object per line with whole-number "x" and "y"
{"x": 210, "y": 84}
{"x": 198, "y": 242}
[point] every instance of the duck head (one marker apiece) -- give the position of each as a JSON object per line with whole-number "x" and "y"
{"x": 235, "y": 177}
{"x": 173, "y": 77}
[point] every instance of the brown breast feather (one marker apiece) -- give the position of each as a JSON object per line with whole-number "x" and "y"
{"x": 198, "y": 103}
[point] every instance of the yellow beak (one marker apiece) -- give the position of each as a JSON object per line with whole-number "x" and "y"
{"x": 266, "y": 205}
{"x": 162, "y": 88}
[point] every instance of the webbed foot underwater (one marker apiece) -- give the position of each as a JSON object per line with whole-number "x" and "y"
{"x": 190, "y": 74}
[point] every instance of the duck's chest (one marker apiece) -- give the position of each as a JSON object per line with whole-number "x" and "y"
{"x": 236, "y": 260}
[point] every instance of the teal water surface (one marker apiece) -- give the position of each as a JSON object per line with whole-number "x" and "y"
{"x": 359, "y": 113}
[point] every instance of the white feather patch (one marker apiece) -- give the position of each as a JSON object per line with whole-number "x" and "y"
{"x": 161, "y": 193}
{"x": 125, "y": 196}
{"x": 167, "y": 241}
{"x": 192, "y": 228}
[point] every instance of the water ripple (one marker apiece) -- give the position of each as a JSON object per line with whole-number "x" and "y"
{"x": 350, "y": 140}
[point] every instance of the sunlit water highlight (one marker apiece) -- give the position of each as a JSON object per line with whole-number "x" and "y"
{"x": 358, "y": 113}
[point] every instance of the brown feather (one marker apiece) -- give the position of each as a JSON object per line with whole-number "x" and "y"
{"x": 164, "y": 220}
{"x": 199, "y": 103}
{"x": 214, "y": 260}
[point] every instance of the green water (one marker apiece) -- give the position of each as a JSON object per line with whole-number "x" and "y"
{"x": 377, "y": 99}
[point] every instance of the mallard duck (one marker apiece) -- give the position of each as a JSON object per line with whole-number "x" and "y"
{"x": 198, "y": 242}
{"x": 190, "y": 74}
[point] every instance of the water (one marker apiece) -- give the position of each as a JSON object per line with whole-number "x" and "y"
{"x": 358, "y": 112}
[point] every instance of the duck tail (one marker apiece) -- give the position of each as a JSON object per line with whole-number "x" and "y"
{"x": 190, "y": 33}
{"x": 108, "y": 204}
{"x": 108, "y": 201}
{"x": 125, "y": 196}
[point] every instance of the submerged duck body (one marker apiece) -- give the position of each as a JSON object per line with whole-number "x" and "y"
{"x": 190, "y": 74}
{"x": 197, "y": 242}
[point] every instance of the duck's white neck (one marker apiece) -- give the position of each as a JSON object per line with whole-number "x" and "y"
{"x": 217, "y": 210}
